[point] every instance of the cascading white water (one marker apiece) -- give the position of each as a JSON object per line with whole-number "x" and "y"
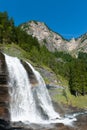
{"x": 22, "y": 106}
{"x": 27, "y": 104}
{"x": 43, "y": 96}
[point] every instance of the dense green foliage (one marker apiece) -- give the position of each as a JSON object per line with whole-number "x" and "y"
{"x": 65, "y": 56}
{"x": 26, "y": 41}
{"x": 78, "y": 77}
{"x": 82, "y": 56}
{"x": 7, "y": 29}
{"x": 74, "y": 70}
{"x": 11, "y": 34}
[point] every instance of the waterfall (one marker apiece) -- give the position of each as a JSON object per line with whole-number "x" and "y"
{"x": 43, "y": 96}
{"x": 27, "y": 103}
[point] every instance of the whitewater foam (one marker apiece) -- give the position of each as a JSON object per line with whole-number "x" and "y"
{"x": 27, "y": 104}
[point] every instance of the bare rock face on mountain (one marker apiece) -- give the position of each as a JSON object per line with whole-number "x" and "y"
{"x": 54, "y": 41}
{"x": 45, "y": 36}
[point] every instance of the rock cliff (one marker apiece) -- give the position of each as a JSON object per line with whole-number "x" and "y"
{"x": 4, "y": 95}
{"x": 54, "y": 41}
{"x": 31, "y": 75}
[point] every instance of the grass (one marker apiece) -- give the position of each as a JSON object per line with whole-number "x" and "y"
{"x": 14, "y": 50}
{"x": 65, "y": 97}
{"x": 62, "y": 81}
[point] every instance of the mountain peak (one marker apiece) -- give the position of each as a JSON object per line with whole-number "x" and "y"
{"x": 52, "y": 40}
{"x": 44, "y": 35}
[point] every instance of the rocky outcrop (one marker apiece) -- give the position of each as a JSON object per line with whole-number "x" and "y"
{"x": 54, "y": 41}
{"x": 4, "y": 95}
{"x": 30, "y": 73}
{"x": 44, "y": 35}
{"x": 52, "y": 80}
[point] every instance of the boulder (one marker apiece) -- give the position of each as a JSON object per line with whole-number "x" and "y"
{"x": 4, "y": 125}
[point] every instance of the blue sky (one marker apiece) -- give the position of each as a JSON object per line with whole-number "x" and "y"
{"x": 66, "y": 17}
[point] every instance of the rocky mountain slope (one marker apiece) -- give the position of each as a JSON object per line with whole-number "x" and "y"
{"x": 54, "y": 41}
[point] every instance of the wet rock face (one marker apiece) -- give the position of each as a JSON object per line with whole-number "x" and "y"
{"x": 4, "y": 125}
{"x": 30, "y": 73}
{"x": 2, "y": 64}
{"x": 4, "y": 95}
{"x": 81, "y": 122}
